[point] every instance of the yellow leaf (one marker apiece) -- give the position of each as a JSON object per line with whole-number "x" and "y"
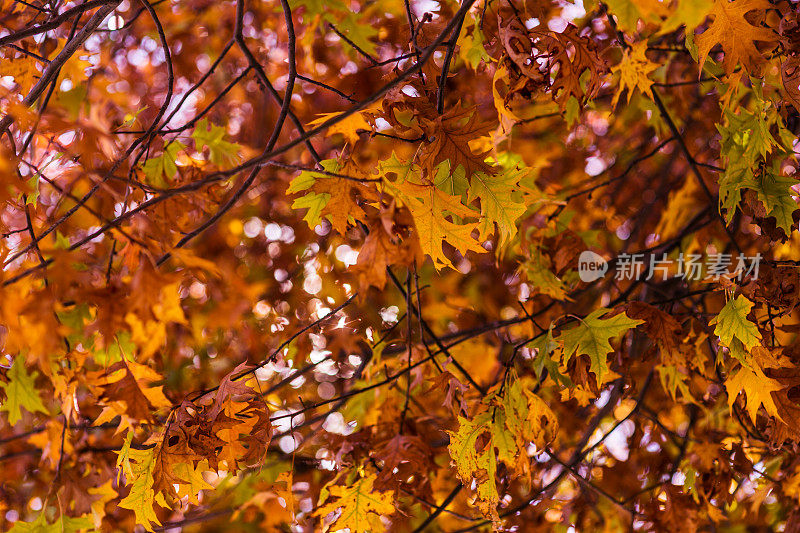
{"x": 348, "y": 126}
{"x": 361, "y": 506}
{"x": 634, "y": 71}
{"x": 193, "y": 475}
{"x": 22, "y": 69}
{"x": 429, "y": 207}
{"x": 102, "y": 494}
{"x": 758, "y": 389}
{"x": 139, "y": 474}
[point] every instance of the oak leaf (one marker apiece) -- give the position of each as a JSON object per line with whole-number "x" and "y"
{"x": 361, "y": 506}
{"x": 736, "y": 34}
{"x": 634, "y": 71}
{"x": 447, "y": 139}
{"x": 332, "y": 194}
{"x": 391, "y": 240}
{"x": 127, "y": 391}
{"x": 138, "y": 466}
{"x": 501, "y": 202}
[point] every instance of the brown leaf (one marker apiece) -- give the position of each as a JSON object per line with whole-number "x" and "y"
{"x": 390, "y": 241}
{"x": 658, "y": 325}
{"x": 448, "y": 137}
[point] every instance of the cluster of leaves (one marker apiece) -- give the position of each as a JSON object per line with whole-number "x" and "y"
{"x": 314, "y": 266}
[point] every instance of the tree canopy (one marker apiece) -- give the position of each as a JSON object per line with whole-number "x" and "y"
{"x": 293, "y": 265}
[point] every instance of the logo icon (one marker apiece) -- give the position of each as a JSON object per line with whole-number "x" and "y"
{"x": 591, "y": 266}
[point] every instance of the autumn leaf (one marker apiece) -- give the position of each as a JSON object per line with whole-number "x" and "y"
{"x": 567, "y": 64}
{"x": 391, "y": 239}
{"x": 333, "y": 194}
{"x": 757, "y": 388}
{"x": 63, "y": 524}
{"x": 500, "y": 436}
{"x": 214, "y": 230}
{"x": 634, "y": 71}
{"x": 687, "y": 13}
{"x": 658, "y": 325}
{"x": 361, "y": 506}
{"x": 156, "y": 169}
{"x": 472, "y": 460}
{"x": 351, "y": 126}
{"x": 591, "y": 337}
{"x": 192, "y": 481}
{"x": 629, "y": 12}
{"x": 22, "y": 69}
{"x": 528, "y": 417}
{"x": 127, "y": 392}
{"x": 538, "y": 270}
{"x": 736, "y": 34}
{"x": 501, "y": 202}
{"x": 138, "y": 466}
{"x": 315, "y": 203}
{"x": 448, "y": 138}
{"x": 471, "y": 48}
{"x": 732, "y": 323}
{"x": 221, "y": 152}
{"x": 776, "y": 192}
{"x": 100, "y": 497}
{"x": 20, "y": 392}
{"x": 429, "y": 206}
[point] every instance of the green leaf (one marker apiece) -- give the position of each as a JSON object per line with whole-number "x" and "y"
{"x": 193, "y": 477}
{"x": 528, "y": 418}
{"x": 315, "y": 203}
{"x": 221, "y": 152}
{"x": 20, "y": 392}
{"x": 573, "y": 111}
{"x": 453, "y": 183}
{"x": 64, "y": 524}
{"x": 541, "y": 277}
{"x": 62, "y": 241}
{"x": 732, "y": 323}
{"x": 360, "y": 33}
{"x": 545, "y": 345}
{"x": 471, "y": 47}
{"x": 306, "y": 179}
{"x": 403, "y": 170}
{"x": 592, "y": 338}
{"x": 130, "y": 118}
{"x": 775, "y": 192}
{"x": 73, "y": 99}
{"x": 737, "y": 176}
{"x": 138, "y": 467}
{"x": 163, "y": 166}
{"x": 478, "y": 463}
{"x": 746, "y": 147}
{"x": 430, "y": 207}
{"x": 626, "y": 13}
{"x": 673, "y": 381}
{"x": 688, "y": 13}
{"x": 501, "y": 202}
{"x": 517, "y": 419}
